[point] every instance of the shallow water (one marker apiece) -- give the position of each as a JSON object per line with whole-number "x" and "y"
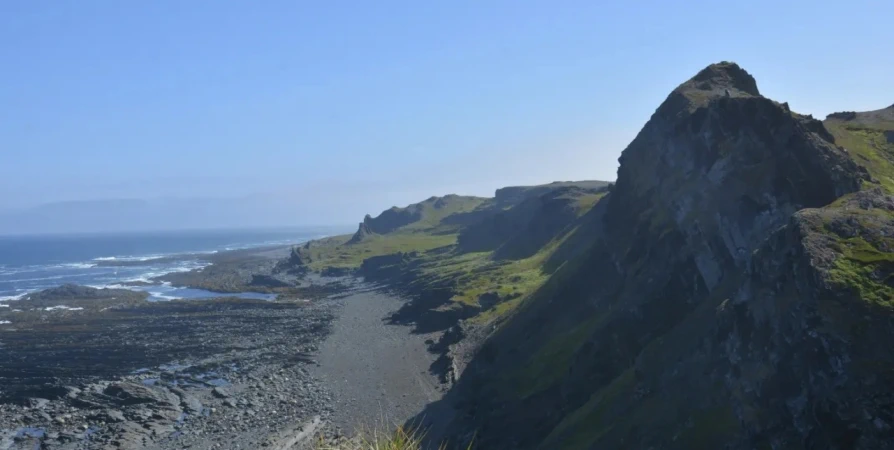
{"x": 33, "y": 263}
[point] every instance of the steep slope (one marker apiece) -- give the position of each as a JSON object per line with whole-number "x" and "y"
{"x": 537, "y": 216}
{"x": 730, "y": 299}
{"x": 500, "y": 257}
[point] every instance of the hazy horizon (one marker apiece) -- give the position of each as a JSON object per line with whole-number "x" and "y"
{"x": 283, "y": 114}
{"x": 259, "y": 211}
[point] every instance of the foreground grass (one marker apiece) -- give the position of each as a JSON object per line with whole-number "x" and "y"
{"x": 400, "y": 439}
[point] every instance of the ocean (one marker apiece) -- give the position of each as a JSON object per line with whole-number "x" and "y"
{"x": 32, "y": 263}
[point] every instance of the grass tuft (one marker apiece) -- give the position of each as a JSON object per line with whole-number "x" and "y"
{"x": 402, "y": 438}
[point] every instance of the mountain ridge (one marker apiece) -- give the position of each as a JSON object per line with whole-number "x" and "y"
{"x": 733, "y": 288}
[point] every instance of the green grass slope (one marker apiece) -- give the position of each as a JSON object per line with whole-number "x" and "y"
{"x": 860, "y": 226}
{"x": 417, "y": 246}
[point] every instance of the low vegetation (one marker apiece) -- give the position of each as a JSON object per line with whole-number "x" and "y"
{"x": 401, "y": 438}
{"x": 868, "y": 137}
{"x": 865, "y": 264}
{"x": 335, "y": 253}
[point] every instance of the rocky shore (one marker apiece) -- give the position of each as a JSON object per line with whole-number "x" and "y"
{"x": 115, "y": 371}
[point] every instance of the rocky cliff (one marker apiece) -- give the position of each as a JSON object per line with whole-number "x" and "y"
{"x": 733, "y": 290}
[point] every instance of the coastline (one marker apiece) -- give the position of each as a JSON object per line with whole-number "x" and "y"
{"x": 138, "y": 374}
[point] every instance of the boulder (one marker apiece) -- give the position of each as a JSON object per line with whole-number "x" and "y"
{"x": 135, "y": 394}
{"x": 189, "y": 403}
{"x": 38, "y": 403}
{"x": 220, "y": 392}
{"x": 109, "y": 416}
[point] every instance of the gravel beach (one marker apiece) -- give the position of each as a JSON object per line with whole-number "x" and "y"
{"x": 378, "y": 373}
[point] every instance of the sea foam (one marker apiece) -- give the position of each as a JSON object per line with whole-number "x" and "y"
{"x": 62, "y": 308}
{"x": 79, "y": 265}
{"x": 13, "y": 297}
{"x": 158, "y": 296}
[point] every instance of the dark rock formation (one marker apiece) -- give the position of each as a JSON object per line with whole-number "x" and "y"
{"x": 267, "y": 281}
{"x": 73, "y": 291}
{"x": 336, "y": 271}
{"x": 709, "y": 306}
{"x": 296, "y": 263}
{"x": 134, "y": 394}
{"x": 363, "y": 231}
{"x": 385, "y": 267}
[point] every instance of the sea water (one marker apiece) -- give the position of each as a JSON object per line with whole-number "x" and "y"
{"x": 33, "y": 263}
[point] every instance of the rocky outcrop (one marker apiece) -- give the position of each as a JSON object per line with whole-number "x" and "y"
{"x": 363, "y": 231}
{"x": 724, "y": 301}
{"x": 386, "y": 267}
{"x": 135, "y": 394}
{"x": 267, "y": 281}
{"x": 296, "y": 263}
{"x": 77, "y": 292}
{"x": 336, "y": 272}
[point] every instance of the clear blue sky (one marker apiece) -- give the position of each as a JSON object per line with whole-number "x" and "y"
{"x": 366, "y": 104}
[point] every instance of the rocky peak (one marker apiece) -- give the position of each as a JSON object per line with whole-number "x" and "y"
{"x": 723, "y": 171}
{"x": 362, "y": 232}
{"x": 719, "y": 82}
{"x": 727, "y": 75}
{"x": 722, "y": 299}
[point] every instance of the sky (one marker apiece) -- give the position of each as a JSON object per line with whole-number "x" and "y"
{"x": 320, "y": 112}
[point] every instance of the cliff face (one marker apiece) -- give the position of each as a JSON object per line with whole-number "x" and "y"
{"x": 727, "y": 296}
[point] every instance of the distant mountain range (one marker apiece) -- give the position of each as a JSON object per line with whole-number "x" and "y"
{"x": 116, "y": 215}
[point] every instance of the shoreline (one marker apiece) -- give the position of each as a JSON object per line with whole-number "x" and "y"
{"x": 140, "y": 273}
{"x": 278, "y": 362}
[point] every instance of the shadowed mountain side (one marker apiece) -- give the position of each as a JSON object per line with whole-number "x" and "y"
{"x": 713, "y": 310}
{"x": 521, "y": 231}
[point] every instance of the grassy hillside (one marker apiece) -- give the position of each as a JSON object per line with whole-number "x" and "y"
{"x": 869, "y": 136}
{"x": 862, "y": 236}
{"x": 517, "y": 232}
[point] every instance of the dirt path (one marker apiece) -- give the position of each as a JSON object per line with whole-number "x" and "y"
{"x": 377, "y": 372}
